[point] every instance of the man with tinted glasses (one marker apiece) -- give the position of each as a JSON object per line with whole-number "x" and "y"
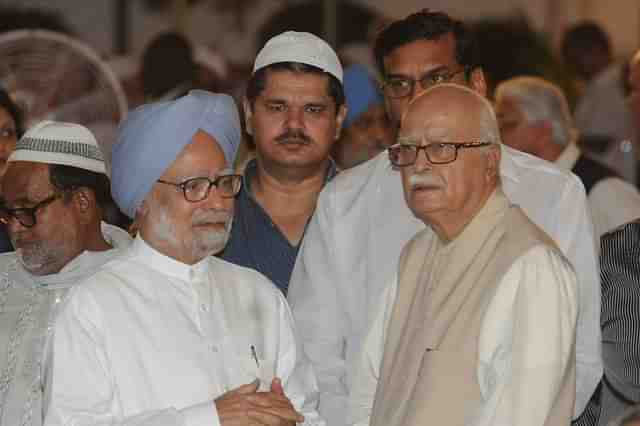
{"x": 166, "y": 334}
{"x": 351, "y": 248}
{"x": 52, "y": 192}
{"x": 459, "y": 338}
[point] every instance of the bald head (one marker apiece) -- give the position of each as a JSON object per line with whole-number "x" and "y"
{"x": 448, "y": 151}
{"x": 452, "y": 108}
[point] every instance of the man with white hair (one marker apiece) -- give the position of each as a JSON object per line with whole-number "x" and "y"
{"x": 52, "y": 191}
{"x": 479, "y": 326}
{"x": 534, "y": 117}
{"x": 352, "y": 244}
{"x": 166, "y": 334}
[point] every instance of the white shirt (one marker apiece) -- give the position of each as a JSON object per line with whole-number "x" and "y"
{"x": 613, "y": 202}
{"x": 521, "y": 352}
{"x": 352, "y": 244}
{"x": 152, "y": 341}
{"x": 28, "y": 307}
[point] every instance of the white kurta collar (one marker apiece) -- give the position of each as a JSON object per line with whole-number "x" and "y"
{"x": 568, "y": 157}
{"x": 166, "y": 265}
{"x": 77, "y": 269}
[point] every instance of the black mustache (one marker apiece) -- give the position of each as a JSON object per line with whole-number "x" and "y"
{"x": 293, "y": 137}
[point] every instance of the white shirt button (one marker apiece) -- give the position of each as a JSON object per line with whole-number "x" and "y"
{"x": 204, "y": 308}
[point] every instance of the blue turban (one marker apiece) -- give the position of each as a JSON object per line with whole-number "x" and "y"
{"x": 360, "y": 90}
{"x": 153, "y": 136}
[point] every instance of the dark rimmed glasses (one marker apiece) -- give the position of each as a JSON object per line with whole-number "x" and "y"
{"x": 26, "y": 216}
{"x": 197, "y": 189}
{"x": 400, "y": 87}
{"x": 404, "y": 154}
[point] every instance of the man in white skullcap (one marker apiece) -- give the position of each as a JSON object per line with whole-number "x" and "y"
{"x": 52, "y": 192}
{"x": 166, "y": 334}
{"x": 294, "y": 108}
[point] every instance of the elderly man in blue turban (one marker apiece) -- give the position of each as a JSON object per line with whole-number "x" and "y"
{"x": 167, "y": 334}
{"x": 366, "y": 130}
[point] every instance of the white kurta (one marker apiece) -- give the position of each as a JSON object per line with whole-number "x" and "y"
{"x": 28, "y": 308}
{"x": 613, "y": 201}
{"x": 152, "y": 341}
{"x": 350, "y": 254}
{"x": 526, "y": 338}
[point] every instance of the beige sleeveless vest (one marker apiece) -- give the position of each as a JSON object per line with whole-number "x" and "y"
{"x": 429, "y": 368}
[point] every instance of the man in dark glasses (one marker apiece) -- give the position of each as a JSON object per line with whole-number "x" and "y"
{"x": 52, "y": 192}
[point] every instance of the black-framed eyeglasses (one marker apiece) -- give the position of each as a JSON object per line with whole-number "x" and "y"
{"x": 26, "y": 216}
{"x": 400, "y": 87}
{"x": 402, "y": 155}
{"x": 197, "y": 189}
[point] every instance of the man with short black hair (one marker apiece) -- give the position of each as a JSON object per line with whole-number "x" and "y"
{"x": 52, "y": 192}
{"x": 294, "y": 109}
{"x": 353, "y": 242}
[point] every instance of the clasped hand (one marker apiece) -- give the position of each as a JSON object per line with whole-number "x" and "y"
{"x": 245, "y": 406}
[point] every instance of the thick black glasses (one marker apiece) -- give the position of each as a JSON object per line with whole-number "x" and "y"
{"x": 402, "y": 155}
{"x": 25, "y": 215}
{"x": 398, "y": 87}
{"x": 197, "y": 189}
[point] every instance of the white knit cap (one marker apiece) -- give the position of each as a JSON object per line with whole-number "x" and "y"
{"x": 304, "y": 48}
{"x": 54, "y": 142}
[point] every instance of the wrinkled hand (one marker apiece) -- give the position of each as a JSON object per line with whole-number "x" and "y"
{"x": 245, "y": 406}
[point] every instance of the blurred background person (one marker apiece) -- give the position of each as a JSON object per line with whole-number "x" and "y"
{"x": 11, "y": 129}
{"x": 366, "y": 130}
{"x": 534, "y": 117}
{"x": 601, "y": 113}
{"x": 168, "y": 69}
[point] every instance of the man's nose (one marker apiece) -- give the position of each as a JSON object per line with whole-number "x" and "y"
{"x": 295, "y": 118}
{"x": 422, "y": 161}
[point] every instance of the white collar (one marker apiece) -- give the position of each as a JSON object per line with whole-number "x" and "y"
{"x": 149, "y": 256}
{"x": 568, "y": 157}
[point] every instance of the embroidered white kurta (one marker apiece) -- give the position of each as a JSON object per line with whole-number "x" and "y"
{"x": 525, "y": 341}
{"x": 350, "y": 254}
{"x": 28, "y": 308}
{"x": 151, "y": 341}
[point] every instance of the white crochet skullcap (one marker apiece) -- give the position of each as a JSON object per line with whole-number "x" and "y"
{"x": 301, "y": 47}
{"x": 55, "y": 142}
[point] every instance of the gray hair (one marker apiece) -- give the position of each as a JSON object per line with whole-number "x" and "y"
{"x": 540, "y": 100}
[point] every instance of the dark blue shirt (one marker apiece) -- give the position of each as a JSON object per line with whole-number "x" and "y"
{"x": 5, "y": 242}
{"x": 255, "y": 241}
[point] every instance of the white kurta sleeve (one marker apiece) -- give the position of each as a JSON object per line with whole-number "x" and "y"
{"x": 575, "y": 237}
{"x": 319, "y": 318}
{"x": 526, "y": 341}
{"x": 296, "y": 371}
{"x": 369, "y": 361}
{"x": 83, "y": 391}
